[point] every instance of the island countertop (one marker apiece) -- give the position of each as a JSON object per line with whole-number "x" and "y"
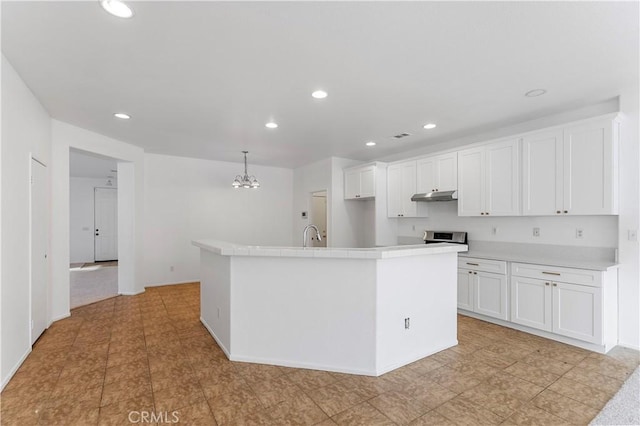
{"x": 225, "y": 248}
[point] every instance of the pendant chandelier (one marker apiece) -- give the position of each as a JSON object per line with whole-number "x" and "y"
{"x": 246, "y": 181}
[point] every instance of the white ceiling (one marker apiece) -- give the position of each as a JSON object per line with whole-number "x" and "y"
{"x": 82, "y": 164}
{"x": 200, "y": 79}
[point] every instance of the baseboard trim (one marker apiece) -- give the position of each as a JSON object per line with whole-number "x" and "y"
{"x": 541, "y": 333}
{"x": 391, "y": 367}
{"x": 218, "y": 341}
{"x": 173, "y": 283}
{"x": 13, "y": 371}
{"x": 58, "y": 318}
{"x": 131, "y": 293}
{"x": 629, "y": 346}
{"x": 304, "y": 365}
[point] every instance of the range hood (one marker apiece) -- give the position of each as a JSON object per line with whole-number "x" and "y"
{"x": 436, "y": 196}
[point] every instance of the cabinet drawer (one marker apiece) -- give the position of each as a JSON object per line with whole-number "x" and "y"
{"x": 557, "y": 274}
{"x": 484, "y": 265}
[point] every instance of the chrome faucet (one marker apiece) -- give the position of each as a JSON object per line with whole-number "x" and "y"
{"x": 304, "y": 234}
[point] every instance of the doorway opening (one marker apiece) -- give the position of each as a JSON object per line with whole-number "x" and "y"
{"x": 318, "y": 216}
{"x": 93, "y": 227}
{"x": 38, "y": 279}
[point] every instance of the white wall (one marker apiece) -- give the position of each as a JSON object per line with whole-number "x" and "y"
{"x": 26, "y": 131}
{"x": 130, "y": 209}
{"x": 599, "y": 231}
{"x": 629, "y": 254}
{"x": 190, "y": 199}
{"x": 81, "y": 208}
{"x": 307, "y": 179}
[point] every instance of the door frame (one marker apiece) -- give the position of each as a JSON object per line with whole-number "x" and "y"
{"x": 95, "y": 190}
{"x": 327, "y": 209}
{"x": 32, "y": 158}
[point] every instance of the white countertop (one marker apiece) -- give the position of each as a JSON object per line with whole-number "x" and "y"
{"x": 225, "y": 248}
{"x": 550, "y": 260}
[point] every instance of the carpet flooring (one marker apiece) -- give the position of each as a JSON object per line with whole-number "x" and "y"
{"x": 93, "y": 282}
{"x": 623, "y": 408}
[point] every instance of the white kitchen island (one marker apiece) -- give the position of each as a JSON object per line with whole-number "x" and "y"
{"x": 359, "y": 311}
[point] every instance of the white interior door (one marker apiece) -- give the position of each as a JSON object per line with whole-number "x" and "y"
{"x": 39, "y": 238}
{"x": 319, "y": 216}
{"x": 106, "y": 224}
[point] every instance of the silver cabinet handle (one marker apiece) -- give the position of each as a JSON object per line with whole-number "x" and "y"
{"x": 546, "y": 283}
{"x": 472, "y": 264}
{"x": 551, "y": 273}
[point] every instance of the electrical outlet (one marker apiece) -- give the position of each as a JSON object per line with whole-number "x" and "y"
{"x": 494, "y": 230}
{"x": 536, "y": 232}
{"x": 632, "y": 235}
{"x": 579, "y": 233}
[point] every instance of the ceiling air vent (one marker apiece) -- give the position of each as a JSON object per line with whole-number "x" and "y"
{"x": 402, "y": 135}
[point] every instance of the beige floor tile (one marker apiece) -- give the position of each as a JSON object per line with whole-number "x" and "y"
{"x": 311, "y": 379}
{"x": 595, "y": 380}
{"x": 337, "y": 397}
{"x": 299, "y": 410}
{"x": 398, "y": 407}
{"x": 430, "y": 394}
{"x": 464, "y": 412}
{"x": 432, "y": 418}
{"x": 275, "y": 391}
{"x": 532, "y": 374}
{"x": 529, "y": 414}
{"x": 580, "y": 392}
{"x": 566, "y": 408}
{"x": 362, "y": 414}
{"x": 150, "y": 352}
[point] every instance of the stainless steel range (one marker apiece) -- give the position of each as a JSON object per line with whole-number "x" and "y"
{"x": 433, "y": 237}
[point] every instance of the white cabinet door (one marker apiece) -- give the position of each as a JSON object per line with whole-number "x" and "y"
{"x": 531, "y": 303}
{"x": 426, "y": 175}
{"x": 409, "y": 208}
{"x": 490, "y": 294}
{"x": 471, "y": 182}
{"x": 588, "y": 169}
{"x": 502, "y": 190}
{"x": 394, "y": 191}
{"x": 577, "y": 311}
{"x": 465, "y": 289}
{"x": 542, "y": 174}
{"x": 447, "y": 172}
{"x": 351, "y": 184}
{"x": 368, "y": 182}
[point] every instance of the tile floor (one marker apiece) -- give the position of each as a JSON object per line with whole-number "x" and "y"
{"x": 149, "y": 353}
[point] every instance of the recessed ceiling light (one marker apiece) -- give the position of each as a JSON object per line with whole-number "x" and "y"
{"x": 319, "y": 94}
{"x": 271, "y": 125}
{"x": 117, "y": 8}
{"x": 122, "y": 115}
{"x": 429, "y": 126}
{"x": 535, "y": 92}
{"x": 370, "y": 143}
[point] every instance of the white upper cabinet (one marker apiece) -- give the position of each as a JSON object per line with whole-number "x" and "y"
{"x": 360, "y": 182}
{"x": 401, "y": 185}
{"x": 571, "y": 171}
{"x": 542, "y": 173}
{"x": 488, "y": 180}
{"x": 439, "y": 173}
{"x": 590, "y": 164}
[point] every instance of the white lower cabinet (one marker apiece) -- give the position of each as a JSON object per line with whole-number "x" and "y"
{"x": 543, "y": 301}
{"x": 481, "y": 291}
